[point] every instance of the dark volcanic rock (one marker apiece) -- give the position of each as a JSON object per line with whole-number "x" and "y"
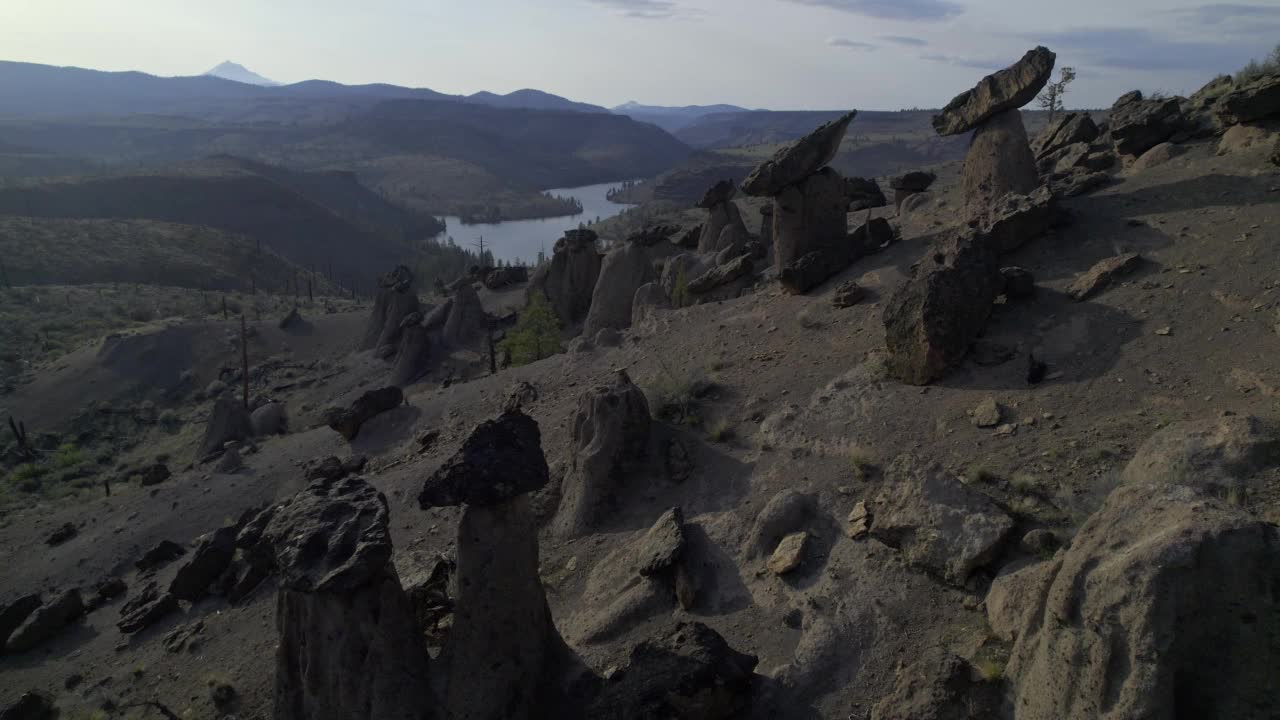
{"x": 914, "y": 181}
{"x": 848, "y": 294}
{"x": 1251, "y": 101}
{"x": 1013, "y": 220}
{"x": 863, "y": 193}
{"x": 62, "y": 534}
{"x": 46, "y": 621}
{"x": 1137, "y": 124}
{"x": 610, "y": 432}
{"x": 933, "y": 318}
{"x": 15, "y": 613}
{"x": 797, "y": 161}
{"x": 153, "y": 474}
{"x": 32, "y": 705}
{"x": 811, "y": 270}
{"x": 349, "y": 645}
{"x": 209, "y": 560}
{"x": 1067, "y": 129}
{"x": 1008, "y": 89}
{"x": 721, "y": 192}
{"x": 1018, "y": 282}
{"x": 347, "y": 421}
{"x": 165, "y": 552}
{"x": 692, "y": 674}
{"x": 500, "y": 459}
{"x": 228, "y": 420}
{"x": 999, "y": 161}
{"x": 146, "y": 608}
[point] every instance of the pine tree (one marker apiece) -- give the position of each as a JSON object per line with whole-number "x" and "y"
{"x": 536, "y": 334}
{"x": 1051, "y": 98}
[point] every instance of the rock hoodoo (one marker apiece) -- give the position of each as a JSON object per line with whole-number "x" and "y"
{"x": 349, "y": 644}
{"x": 395, "y": 300}
{"x": 466, "y": 320}
{"x": 624, "y": 270}
{"x": 228, "y": 421}
{"x": 1008, "y": 89}
{"x": 569, "y": 280}
{"x": 610, "y": 432}
{"x": 505, "y": 656}
{"x": 810, "y": 202}
{"x": 724, "y": 221}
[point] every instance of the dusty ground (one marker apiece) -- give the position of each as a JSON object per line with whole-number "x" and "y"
{"x": 799, "y": 401}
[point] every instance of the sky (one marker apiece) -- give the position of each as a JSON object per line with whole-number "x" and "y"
{"x": 776, "y": 54}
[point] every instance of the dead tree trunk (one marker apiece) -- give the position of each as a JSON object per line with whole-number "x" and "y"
{"x": 244, "y": 360}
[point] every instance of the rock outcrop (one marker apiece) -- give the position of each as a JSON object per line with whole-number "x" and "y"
{"x": 208, "y": 562}
{"x": 349, "y": 646}
{"x": 228, "y": 421}
{"x": 269, "y": 419}
{"x": 569, "y": 280}
{"x": 1138, "y": 124}
{"x": 1008, "y": 89}
{"x": 623, "y": 271}
{"x": 396, "y": 299}
{"x": 938, "y": 685}
{"x": 347, "y": 421}
{"x": 610, "y": 433}
{"x": 1068, "y": 129}
{"x": 1251, "y": 101}
{"x": 1160, "y": 608}
{"x": 1216, "y": 456}
{"x": 505, "y": 657}
{"x": 46, "y": 621}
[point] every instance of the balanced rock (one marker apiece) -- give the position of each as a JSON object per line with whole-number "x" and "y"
{"x": 506, "y": 658}
{"x": 569, "y": 280}
{"x": 1166, "y": 582}
{"x": 798, "y": 160}
{"x": 228, "y": 421}
{"x": 939, "y": 523}
{"x": 348, "y": 421}
{"x": 348, "y": 641}
{"x": 932, "y": 319}
{"x": 396, "y": 299}
{"x": 1008, "y": 89}
{"x": 808, "y": 217}
{"x": 610, "y": 433}
{"x": 999, "y": 161}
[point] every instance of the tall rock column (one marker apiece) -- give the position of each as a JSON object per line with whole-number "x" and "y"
{"x": 569, "y": 280}
{"x": 810, "y": 204}
{"x": 723, "y": 215}
{"x": 350, "y": 647}
{"x": 396, "y": 300}
{"x": 506, "y": 660}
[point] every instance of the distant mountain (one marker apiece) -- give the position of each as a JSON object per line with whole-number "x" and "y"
{"x": 672, "y": 119}
{"x": 241, "y": 74}
{"x": 533, "y": 100}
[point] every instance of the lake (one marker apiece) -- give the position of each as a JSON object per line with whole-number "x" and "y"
{"x": 520, "y": 240}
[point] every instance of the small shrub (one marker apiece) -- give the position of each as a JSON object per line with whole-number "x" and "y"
{"x": 673, "y": 396}
{"x": 1257, "y": 68}
{"x": 807, "y": 320}
{"x": 992, "y": 670}
{"x": 68, "y": 456}
{"x": 720, "y": 431}
{"x": 982, "y": 474}
{"x": 1024, "y": 483}
{"x": 863, "y": 461}
{"x": 27, "y": 472}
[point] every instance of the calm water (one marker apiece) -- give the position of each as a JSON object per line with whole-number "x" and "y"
{"x": 520, "y": 240}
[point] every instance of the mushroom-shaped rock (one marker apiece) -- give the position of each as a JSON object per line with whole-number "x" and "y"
{"x": 348, "y": 421}
{"x": 798, "y": 160}
{"x": 723, "y": 215}
{"x": 1007, "y": 89}
{"x": 999, "y": 161}
{"x": 506, "y": 659}
{"x": 1163, "y": 606}
{"x": 228, "y": 420}
{"x": 811, "y": 217}
{"x": 349, "y": 646}
{"x": 466, "y": 320}
{"x": 721, "y": 192}
{"x": 396, "y": 298}
{"x": 933, "y": 318}
{"x": 570, "y": 278}
{"x": 610, "y": 431}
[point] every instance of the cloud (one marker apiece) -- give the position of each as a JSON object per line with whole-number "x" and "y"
{"x": 849, "y": 44}
{"x": 1227, "y": 12}
{"x": 646, "y": 9}
{"x": 904, "y": 40}
{"x": 976, "y": 63}
{"x": 923, "y": 10}
{"x": 1141, "y": 49}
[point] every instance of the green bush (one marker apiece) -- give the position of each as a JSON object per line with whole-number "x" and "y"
{"x": 67, "y": 456}
{"x": 536, "y": 334}
{"x": 1255, "y": 68}
{"x": 680, "y": 293}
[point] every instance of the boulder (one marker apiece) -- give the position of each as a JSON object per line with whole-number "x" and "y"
{"x": 569, "y": 280}
{"x": 228, "y": 420}
{"x": 873, "y": 235}
{"x": 810, "y": 270}
{"x": 1019, "y": 283}
{"x": 647, "y": 302}
{"x": 413, "y": 357}
{"x": 466, "y": 322}
{"x": 396, "y": 299}
{"x": 145, "y": 609}
{"x": 1011, "y": 221}
{"x": 438, "y": 315}
{"x": 623, "y": 271}
{"x": 690, "y": 674}
{"x": 1066, "y": 129}
{"x": 164, "y": 552}
{"x": 721, "y": 275}
{"x": 1163, "y": 606}
{"x": 1078, "y": 183}
{"x": 933, "y": 318}
{"x": 1005, "y": 90}
{"x": 1215, "y": 455}
{"x": 347, "y": 421}
{"x": 999, "y": 162}
{"x": 1208, "y": 95}
{"x": 153, "y": 474}
{"x": 786, "y": 513}
{"x": 270, "y": 419}
{"x": 987, "y": 414}
{"x": 1156, "y": 156}
{"x": 610, "y": 434}
{"x": 939, "y": 524}
{"x": 208, "y": 562}
{"x": 1250, "y": 101}
{"x": 65, "y": 532}
{"x": 32, "y": 705}
{"x": 506, "y": 658}
{"x": 46, "y": 621}
{"x": 863, "y": 193}
{"x": 229, "y": 462}
{"x": 1137, "y": 124}
{"x": 349, "y": 646}
{"x": 1102, "y": 274}
{"x": 1242, "y": 138}
{"x": 15, "y": 613}
{"x": 789, "y": 553}
{"x": 915, "y": 181}
{"x": 848, "y": 294}
{"x": 662, "y": 545}
{"x": 811, "y": 216}
{"x": 797, "y": 161}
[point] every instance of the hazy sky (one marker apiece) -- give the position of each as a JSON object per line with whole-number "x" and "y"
{"x": 782, "y": 54}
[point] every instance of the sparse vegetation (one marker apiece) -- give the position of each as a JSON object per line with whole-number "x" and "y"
{"x": 536, "y": 334}
{"x": 720, "y": 431}
{"x": 979, "y": 473}
{"x": 67, "y": 456}
{"x": 991, "y": 670}
{"x": 1257, "y": 68}
{"x": 863, "y": 461}
{"x": 680, "y": 296}
{"x": 807, "y": 320}
{"x": 1050, "y": 98}
{"x": 673, "y": 395}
